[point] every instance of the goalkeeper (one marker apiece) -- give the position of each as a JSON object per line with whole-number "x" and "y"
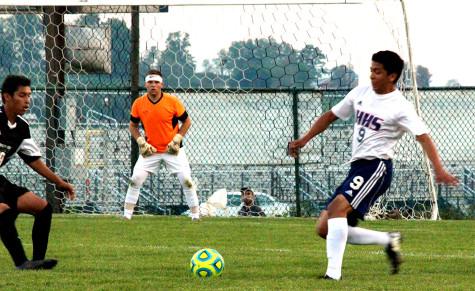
{"x": 160, "y": 114}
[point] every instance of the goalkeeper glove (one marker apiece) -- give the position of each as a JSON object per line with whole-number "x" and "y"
{"x": 145, "y": 148}
{"x": 174, "y": 145}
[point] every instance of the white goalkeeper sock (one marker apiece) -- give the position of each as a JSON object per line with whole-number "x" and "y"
{"x": 195, "y": 215}
{"x": 189, "y": 189}
{"x": 130, "y": 201}
{"x": 336, "y": 242}
{"x": 128, "y": 213}
{"x": 362, "y": 236}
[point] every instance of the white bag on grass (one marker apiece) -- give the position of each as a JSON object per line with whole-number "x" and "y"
{"x": 219, "y": 199}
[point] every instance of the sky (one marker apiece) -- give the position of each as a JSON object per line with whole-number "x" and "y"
{"x": 442, "y": 37}
{"x": 440, "y": 33}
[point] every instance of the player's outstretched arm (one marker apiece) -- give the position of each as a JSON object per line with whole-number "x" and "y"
{"x": 441, "y": 175}
{"x": 44, "y": 171}
{"x": 320, "y": 125}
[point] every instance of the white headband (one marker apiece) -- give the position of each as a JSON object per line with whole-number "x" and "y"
{"x": 153, "y": 78}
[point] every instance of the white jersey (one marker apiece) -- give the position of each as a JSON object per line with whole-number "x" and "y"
{"x": 380, "y": 121}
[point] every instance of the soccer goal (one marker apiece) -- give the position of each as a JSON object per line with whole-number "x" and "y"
{"x": 252, "y": 74}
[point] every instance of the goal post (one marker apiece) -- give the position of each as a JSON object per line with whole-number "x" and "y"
{"x": 247, "y": 71}
{"x": 430, "y": 178}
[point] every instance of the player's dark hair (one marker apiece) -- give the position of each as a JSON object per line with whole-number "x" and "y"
{"x": 245, "y": 189}
{"x": 154, "y": 72}
{"x": 12, "y": 83}
{"x": 391, "y": 62}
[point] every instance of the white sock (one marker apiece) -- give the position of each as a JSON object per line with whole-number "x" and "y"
{"x": 128, "y": 213}
{"x": 336, "y": 242}
{"x": 189, "y": 189}
{"x": 195, "y": 215}
{"x": 131, "y": 199}
{"x": 133, "y": 191}
{"x": 362, "y": 236}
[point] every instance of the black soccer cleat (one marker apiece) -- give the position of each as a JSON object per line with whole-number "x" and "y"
{"x": 326, "y": 277}
{"x": 393, "y": 250}
{"x": 38, "y": 265}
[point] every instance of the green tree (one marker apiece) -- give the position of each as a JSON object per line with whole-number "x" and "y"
{"x": 208, "y": 66}
{"x": 423, "y": 77}
{"x": 22, "y": 52}
{"x": 7, "y": 51}
{"x": 342, "y": 77}
{"x": 453, "y": 83}
{"x": 148, "y": 61}
{"x": 22, "y": 47}
{"x": 88, "y": 20}
{"x": 266, "y": 63}
{"x": 176, "y": 62}
{"x": 121, "y": 50}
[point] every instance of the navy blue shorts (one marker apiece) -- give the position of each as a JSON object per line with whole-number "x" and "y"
{"x": 366, "y": 181}
{"x": 10, "y": 192}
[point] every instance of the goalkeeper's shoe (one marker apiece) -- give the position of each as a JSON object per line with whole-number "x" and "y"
{"x": 127, "y": 214}
{"x": 326, "y": 277}
{"x": 195, "y": 217}
{"x": 393, "y": 250}
{"x": 38, "y": 265}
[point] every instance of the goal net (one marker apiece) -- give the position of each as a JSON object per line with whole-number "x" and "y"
{"x": 252, "y": 76}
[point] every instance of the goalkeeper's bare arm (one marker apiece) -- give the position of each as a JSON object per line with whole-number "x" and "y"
{"x": 175, "y": 144}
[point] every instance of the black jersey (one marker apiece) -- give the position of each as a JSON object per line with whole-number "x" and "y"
{"x": 252, "y": 210}
{"x": 16, "y": 138}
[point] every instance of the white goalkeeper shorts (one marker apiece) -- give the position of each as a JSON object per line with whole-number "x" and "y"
{"x": 174, "y": 164}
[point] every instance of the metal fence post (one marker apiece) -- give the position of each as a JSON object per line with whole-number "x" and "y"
{"x": 134, "y": 74}
{"x": 53, "y": 20}
{"x": 295, "y": 101}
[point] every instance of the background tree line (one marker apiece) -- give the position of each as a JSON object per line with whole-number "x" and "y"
{"x": 252, "y": 63}
{"x": 245, "y": 64}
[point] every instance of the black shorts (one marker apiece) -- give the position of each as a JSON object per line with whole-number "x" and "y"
{"x": 366, "y": 181}
{"x": 10, "y": 192}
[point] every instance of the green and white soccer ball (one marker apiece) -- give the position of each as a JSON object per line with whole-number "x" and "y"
{"x": 207, "y": 263}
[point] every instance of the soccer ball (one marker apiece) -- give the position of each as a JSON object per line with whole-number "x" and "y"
{"x": 206, "y": 263}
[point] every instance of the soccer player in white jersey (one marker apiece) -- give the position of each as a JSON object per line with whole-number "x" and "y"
{"x": 161, "y": 115}
{"x": 382, "y": 115}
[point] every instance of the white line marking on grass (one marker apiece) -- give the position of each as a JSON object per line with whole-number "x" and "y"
{"x": 277, "y": 250}
{"x": 429, "y": 255}
{"x": 255, "y": 249}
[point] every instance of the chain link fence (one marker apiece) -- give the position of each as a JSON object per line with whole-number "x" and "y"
{"x": 239, "y": 139}
{"x": 262, "y": 88}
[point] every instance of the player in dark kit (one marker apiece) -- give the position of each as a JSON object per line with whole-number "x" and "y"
{"x": 15, "y": 138}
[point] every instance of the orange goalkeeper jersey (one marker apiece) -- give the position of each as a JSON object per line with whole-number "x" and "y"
{"x": 160, "y": 119}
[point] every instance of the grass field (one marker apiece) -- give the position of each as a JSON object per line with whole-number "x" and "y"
{"x": 153, "y": 253}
